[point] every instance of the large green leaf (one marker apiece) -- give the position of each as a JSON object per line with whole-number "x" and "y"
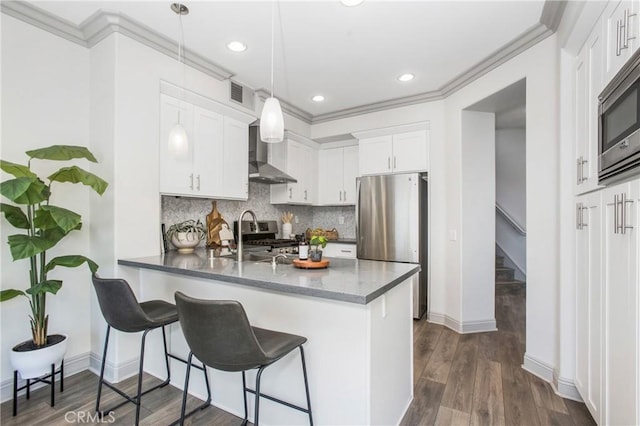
{"x": 15, "y": 216}
{"x": 17, "y": 170}
{"x": 62, "y": 153}
{"x": 25, "y": 190}
{"x": 10, "y": 294}
{"x": 23, "y": 246}
{"x": 71, "y": 262}
{"x": 75, "y": 174}
{"x": 50, "y": 217}
{"x": 48, "y": 286}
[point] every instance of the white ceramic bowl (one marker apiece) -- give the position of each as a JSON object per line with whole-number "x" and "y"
{"x": 185, "y": 242}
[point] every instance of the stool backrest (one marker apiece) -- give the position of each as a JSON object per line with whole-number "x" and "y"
{"x": 119, "y": 305}
{"x": 219, "y": 334}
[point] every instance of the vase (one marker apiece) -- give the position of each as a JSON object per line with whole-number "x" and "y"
{"x": 32, "y": 362}
{"x": 287, "y": 230}
{"x": 185, "y": 242}
{"x": 315, "y": 255}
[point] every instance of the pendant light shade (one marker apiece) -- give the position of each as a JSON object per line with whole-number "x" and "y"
{"x": 178, "y": 141}
{"x": 271, "y": 122}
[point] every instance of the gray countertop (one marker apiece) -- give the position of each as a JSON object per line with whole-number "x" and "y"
{"x": 347, "y": 280}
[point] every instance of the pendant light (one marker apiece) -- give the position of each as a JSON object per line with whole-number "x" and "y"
{"x": 271, "y": 120}
{"x": 178, "y": 140}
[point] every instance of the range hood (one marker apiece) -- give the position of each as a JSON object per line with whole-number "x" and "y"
{"x": 259, "y": 169}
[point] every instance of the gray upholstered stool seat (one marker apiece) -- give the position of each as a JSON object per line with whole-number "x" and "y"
{"x": 122, "y": 311}
{"x": 219, "y": 334}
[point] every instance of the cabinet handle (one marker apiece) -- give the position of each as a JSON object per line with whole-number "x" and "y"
{"x": 305, "y": 194}
{"x": 191, "y": 185}
{"x": 582, "y": 222}
{"x": 389, "y": 163}
{"x": 618, "y": 31}
{"x": 340, "y": 195}
{"x": 290, "y": 193}
{"x": 345, "y": 251}
{"x": 345, "y": 196}
{"x": 623, "y": 206}
{"x": 615, "y": 214}
{"x": 394, "y": 162}
{"x": 198, "y": 186}
{"x": 578, "y": 216}
{"x": 578, "y": 167}
{"x": 625, "y": 34}
{"x": 582, "y": 163}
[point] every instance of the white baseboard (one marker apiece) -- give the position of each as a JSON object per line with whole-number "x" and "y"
{"x": 72, "y": 365}
{"x": 464, "y": 327}
{"x": 561, "y": 386}
{"x": 113, "y": 373}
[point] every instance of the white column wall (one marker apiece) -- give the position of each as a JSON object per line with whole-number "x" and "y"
{"x": 45, "y": 101}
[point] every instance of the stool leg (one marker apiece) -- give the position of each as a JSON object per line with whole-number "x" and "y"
{"x": 62, "y": 376}
{"x": 244, "y": 393}
{"x": 166, "y": 357}
{"x": 104, "y": 361}
{"x": 186, "y": 389}
{"x": 15, "y": 393}
{"x": 28, "y": 388}
{"x": 306, "y": 384}
{"x": 255, "y": 419}
{"x": 53, "y": 385}
{"x": 140, "y": 371}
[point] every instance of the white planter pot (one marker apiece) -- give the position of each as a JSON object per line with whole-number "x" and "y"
{"x": 37, "y": 362}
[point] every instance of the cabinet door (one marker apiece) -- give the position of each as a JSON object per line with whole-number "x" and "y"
{"x": 375, "y": 155}
{"x": 310, "y": 174}
{"x": 208, "y": 153}
{"x": 410, "y": 152}
{"x": 621, "y": 301}
{"x": 595, "y": 69}
{"x": 176, "y": 165}
{"x": 330, "y": 176}
{"x": 350, "y": 173}
{"x": 581, "y": 91}
{"x": 235, "y": 178}
{"x": 346, "y": 251}
{"x": 296, "y": 168}
{"x": 622, "y": 34}
{"x": 589, "y": 303}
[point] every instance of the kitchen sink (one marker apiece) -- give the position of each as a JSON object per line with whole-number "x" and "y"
{"x": 268, "y": 257}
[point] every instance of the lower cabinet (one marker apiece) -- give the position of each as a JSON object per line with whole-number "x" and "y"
{"x": 346, "y": 251}
{"x": 608, "y": 303}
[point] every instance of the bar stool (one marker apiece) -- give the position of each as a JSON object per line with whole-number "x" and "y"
{"x": 122, "y": 311}
{"x": 219, "y": 335}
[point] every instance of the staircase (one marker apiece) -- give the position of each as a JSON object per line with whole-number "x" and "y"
{"x": 505, "y": 281}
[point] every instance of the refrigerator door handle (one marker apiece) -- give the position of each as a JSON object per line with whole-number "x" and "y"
{"x": 357, "y": 217}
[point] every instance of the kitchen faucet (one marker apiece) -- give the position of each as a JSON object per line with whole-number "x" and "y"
{"x": 255, "y": 223}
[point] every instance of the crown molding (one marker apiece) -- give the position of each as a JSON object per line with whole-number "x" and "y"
{"x": 104, "y": 23}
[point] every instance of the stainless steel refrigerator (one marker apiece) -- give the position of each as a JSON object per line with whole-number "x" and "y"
{"x": 391, "y": 225}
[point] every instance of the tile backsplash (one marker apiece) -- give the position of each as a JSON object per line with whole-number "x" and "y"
{"x": 178, "y": 209}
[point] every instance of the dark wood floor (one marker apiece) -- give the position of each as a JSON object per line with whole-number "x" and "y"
{"x": 473, "y": 379}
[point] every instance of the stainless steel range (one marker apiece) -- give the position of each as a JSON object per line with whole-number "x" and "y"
{"x": 264, "y": 237}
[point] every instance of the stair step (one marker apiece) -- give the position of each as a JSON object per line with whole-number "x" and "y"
{"x": 510, "y": 288}
{"x": 499, "y": 260}
{"x": 504, "y": 274}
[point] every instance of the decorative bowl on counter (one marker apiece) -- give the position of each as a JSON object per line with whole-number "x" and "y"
{"x": 185, "y": 242}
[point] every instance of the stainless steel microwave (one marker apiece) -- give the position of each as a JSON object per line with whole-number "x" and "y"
{"x": 619, "y": 124}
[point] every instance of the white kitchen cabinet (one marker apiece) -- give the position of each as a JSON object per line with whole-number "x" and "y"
{"x": 589, "y": 303}
{"x": 299, "y": 160}
{"x": 588, "y": 84}
{"x": 621, "y": 25}
{"x": 341, "y": 250}
{"x": 620, "y": 279}
{"x": 395, "y": 150}
{"x": 337, "y": 173}
{"x": 215, "y": 163}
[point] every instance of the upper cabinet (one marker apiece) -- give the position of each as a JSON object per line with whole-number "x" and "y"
{"x": 337, "y": 173}
{"x": 620, "y": 25}
{"x": 394, "y": 150}
{"x": 213, "y": 163}
{"x": 298, "y": 157}
{"x": 589, "y": 68}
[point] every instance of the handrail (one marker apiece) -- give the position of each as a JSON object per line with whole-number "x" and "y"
{"x": 511, "y": 220}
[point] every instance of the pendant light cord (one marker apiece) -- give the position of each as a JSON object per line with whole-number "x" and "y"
{"x": 273, "y": 8}
{"x": 181, "y": 51}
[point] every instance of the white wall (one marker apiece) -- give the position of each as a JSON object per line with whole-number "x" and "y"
{"x": 477, "y": 234}
{"x": 510, "y": 193}
{"x": 45, "y": 101}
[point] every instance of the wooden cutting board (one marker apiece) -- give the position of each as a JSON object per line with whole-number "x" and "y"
{"x": 307, "y": 264}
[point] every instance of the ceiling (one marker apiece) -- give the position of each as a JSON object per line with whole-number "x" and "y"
{"x": 351, "y": 55}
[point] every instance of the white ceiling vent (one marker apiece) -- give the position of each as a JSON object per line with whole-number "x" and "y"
{"x": 242, "y": 95}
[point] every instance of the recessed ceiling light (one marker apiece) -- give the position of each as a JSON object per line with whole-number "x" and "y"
{"x": 236, "y": 46}
{"x": 318, "y": 98}
{"x": 351, "y": 3}
{"x": 406, "y": 77}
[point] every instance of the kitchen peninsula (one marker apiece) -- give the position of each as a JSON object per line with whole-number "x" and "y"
{"x": 356, "y": 315}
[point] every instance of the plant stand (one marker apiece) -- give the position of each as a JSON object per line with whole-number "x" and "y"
{"x": 49, "y": 379}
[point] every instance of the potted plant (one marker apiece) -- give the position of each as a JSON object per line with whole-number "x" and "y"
{"x": 315, "y": 254}
{"x": 43, "y": 226}
{"x": 185, "y": 236}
